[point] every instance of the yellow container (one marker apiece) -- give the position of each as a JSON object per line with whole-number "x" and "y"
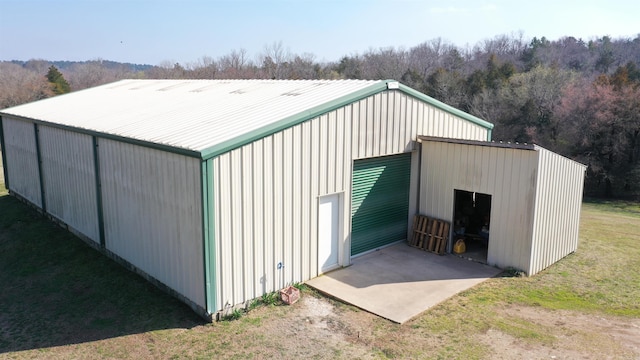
{"x": 459, "y": 247}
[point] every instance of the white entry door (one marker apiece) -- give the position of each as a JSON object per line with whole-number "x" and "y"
{"x": 328, "y": 232}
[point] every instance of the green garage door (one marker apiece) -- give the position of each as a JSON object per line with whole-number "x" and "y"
{"x": 379, "y": 201}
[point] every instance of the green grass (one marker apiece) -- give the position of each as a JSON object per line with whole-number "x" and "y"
{"x": 599, "y": 277}
{"x": 57, "y": 290}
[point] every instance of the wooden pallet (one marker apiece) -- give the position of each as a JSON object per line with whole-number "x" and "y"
{"x": 430, "y": 234}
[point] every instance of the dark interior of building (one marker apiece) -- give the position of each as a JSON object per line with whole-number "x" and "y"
{"x": 472, "y": 219}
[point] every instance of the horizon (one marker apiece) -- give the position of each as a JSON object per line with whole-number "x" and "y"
{"x": 255, "y": 56}
{"x": 169, "y": 31}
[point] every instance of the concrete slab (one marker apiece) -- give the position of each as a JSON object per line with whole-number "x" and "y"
{"x": 400, "y": 282}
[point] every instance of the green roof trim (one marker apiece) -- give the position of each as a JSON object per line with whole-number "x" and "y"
{"x": 292, "y": 120}
{"x": 208, "y": 236}
{"x": 316, "y": 111}
{"x": 448, "y": 108}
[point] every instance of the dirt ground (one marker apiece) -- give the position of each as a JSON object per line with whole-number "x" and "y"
{"x": 320, "y": 328}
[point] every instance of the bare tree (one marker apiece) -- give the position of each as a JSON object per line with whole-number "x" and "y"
{"x": 273, "y": 60}
{"x": 167, "y": 70}
{"x": 385, "y": 63}
{"x": 94, "y": 73}
{"x": 425, "y": 58}
{"x": 38, "y": 66}
{"x": 19, "y": 85}
{"x": 236, "y": 65}
{"x": 303, "y": 67}
{"x": 204, "y": 68}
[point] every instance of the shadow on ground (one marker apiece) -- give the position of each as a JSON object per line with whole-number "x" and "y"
{"x": 56, "y": 290}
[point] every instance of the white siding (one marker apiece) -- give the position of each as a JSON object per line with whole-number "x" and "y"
{"x": 557, "y": 211}
{"x": 433, "y": 121}
{"x": 22, "y": 159}
{"x": 70, "y": 185}
{"x": 266, "y": 193}
{"x": 508, "y": 175}
{"x": 388, "y": 122}
{"x": 153, "y": 214}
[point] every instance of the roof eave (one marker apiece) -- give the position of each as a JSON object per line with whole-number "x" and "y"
{"x": 158, "y": 146}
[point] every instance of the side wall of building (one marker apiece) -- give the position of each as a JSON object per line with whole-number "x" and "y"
{"x": 557, "y": 211}
{"x": 508, "y": 175}
{"x": 266, "y": 193}
{"x": 150, "y": 200}
{"x": 68, "y": 169}
{"x": 22, "y": 159}
{"x": 153, "y": 213}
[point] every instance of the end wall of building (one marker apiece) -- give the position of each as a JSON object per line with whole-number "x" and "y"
{"x": 508, "y": 175}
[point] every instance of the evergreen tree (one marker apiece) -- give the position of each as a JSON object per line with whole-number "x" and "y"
{"x": 57, "y": 81}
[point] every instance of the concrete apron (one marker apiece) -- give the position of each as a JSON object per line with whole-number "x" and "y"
{"x": 400, "y": 282}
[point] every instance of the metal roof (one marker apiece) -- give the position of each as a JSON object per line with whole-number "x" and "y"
{"x": 500, "y": 144}
{"x": 203, "y": 117}
{"x": 510, "y": 145}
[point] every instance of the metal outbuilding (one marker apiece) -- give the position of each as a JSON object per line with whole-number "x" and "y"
{"x": 220, "y": 191}
{"x": 536, "y": 196}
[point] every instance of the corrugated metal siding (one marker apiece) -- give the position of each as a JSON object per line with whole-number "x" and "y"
{"x": 153, "y": 214}
{"x": 69, "y": 178}
{"x": 270, "y": 215}
{"x": 388, "y": 122}
{"x": 508, "y": 175}
{"x": 22, "y": 159}
{"x": 557, "y": 211}
{"x": 266, "y": 193}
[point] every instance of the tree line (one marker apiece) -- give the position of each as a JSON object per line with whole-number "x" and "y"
{"x": 578, "y": 98}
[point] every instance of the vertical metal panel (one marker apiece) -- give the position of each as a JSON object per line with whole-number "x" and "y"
{"x": 277, "y": 202}
{"x": 271, "y": 187}
{"x": 246, "y": 217}
{"x": 305, "y": 210}
{"x": 70, "y": 186}
{"x": 413, "y": 190}
{"x": 22, "y": 159}
{"x": 153, "y": 213}
{"x": 295, "y": 245}
{"x": 508, "y": 175}
{"x": 286, "y": 194}
{"x": 557, "y": 211}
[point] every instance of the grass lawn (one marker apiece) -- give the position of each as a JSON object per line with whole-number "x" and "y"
{"x": 61, "y": 299}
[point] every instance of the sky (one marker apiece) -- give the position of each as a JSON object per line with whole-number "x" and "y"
{"x": 169, "y": 31}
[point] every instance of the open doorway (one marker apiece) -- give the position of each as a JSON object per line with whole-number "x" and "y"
{"x": 472, "y": 220}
